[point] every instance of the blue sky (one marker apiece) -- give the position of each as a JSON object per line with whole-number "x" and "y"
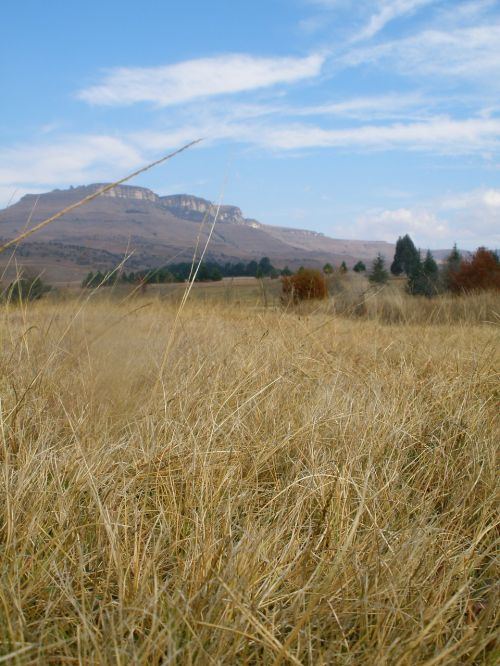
{"x": 361, "y": 119}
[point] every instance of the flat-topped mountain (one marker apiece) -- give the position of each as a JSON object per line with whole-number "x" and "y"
{"x": 155, "y": 230}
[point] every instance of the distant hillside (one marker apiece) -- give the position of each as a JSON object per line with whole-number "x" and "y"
{"x": 157, "y": 230}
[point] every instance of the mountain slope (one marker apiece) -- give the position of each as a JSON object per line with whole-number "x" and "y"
{"x": 155, "y": 230}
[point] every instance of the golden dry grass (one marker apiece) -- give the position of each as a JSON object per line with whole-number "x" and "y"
{"x": 295, "y": 488}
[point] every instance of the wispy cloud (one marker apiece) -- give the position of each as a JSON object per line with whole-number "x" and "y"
{"x": 439, "y": 134}
{"x": 80, "y": 159}
{"x": 380, "y": 13}
{"x": 202, "y": 77}
{"x": 391, "y": 105}
{"x": 466, "y": 52}
{"x": 69, "y": 160}
{"x": 388, "y": 11}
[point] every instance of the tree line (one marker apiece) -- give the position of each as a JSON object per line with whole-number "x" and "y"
{"x": 207, "y": 271}
{"x": 425, "y": 278}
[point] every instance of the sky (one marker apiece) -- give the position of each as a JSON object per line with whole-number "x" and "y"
{"x": 363, "y": 119}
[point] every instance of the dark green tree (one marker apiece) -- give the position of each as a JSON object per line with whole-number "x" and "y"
{"x": 423, "y": 281}
{"x": 406, "y": 256}
{"x": 327, "y": 269}
{"x": 87, "y": 280}
{"x": 252, "y": 268}
{"x": 27, "y": 289}
{"x": 343, "y": 267}
{"x": 286, "y": 272}
{"x": 451, "y": 267}
{"x": 378, "y": 274}
{"x": 265, "y": 266}
{"x": 359, "y": 267}
{"x": 216, "y": 274}
{"x": 397, "y": 264}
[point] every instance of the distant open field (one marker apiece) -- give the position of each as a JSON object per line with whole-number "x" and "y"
{"x": 232, "y": 483}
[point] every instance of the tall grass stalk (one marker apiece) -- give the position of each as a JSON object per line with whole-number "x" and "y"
{"x": 306, "y": 488}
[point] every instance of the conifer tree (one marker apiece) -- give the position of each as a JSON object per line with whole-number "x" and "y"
{"x": 378, "y": 274}
{"x": 406, "y": 257}
{"x": 327, "y": 269}
{"x": 451, "y": 267}
{"x": 359, "y": 267}
{"x": 423, "y": 281}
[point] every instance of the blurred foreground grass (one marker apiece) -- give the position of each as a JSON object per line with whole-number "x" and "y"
{"x": 306, "y": 486}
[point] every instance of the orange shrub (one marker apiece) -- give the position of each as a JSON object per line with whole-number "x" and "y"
{"x": 481, "y": 272}
{"x": 305, "y": 285}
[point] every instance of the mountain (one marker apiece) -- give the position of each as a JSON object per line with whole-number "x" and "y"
{"x": 156, "y": 230}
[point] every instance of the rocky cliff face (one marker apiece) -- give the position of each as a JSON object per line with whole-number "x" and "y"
{"x": 118, "y": 192}
{"x": 186, "y": 203}
{"x": 191, "y": 207}
{"x": 134, "y": 193}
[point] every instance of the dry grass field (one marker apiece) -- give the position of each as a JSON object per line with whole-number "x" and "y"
{"x": 237, "y": 484}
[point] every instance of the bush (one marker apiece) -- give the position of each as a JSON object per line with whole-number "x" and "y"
{"x": 480, "y": 273}
{"x": 27, "y": 289}
{"x": 307, "y": 284}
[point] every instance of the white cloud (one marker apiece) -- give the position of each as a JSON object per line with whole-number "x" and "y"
{"x": 440, "y": 135}
{"x": 492, "y": 199}
{"x": 423, "y": 225}
{"x": 381, "y": 106}
{"x": 436, "y": 134}
{"x": 69, "y": 160}
{"x": 203, "y": 77}
{"x": 82, "y": 159}
{"x": 389, "y": 11}
{"x": 9, "y": 194}
{"x": 466, "y": 52}
{"x": 469, "y": 218}
{"x": 379, "y": 12}
{"x": 480, "y": 198}
{"x": 476, "y": 216}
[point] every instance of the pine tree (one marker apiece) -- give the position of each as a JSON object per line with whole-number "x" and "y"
{"x": 451, "y": 267}
{"x": 252, "y": 268}
{"x": 265, "y": 267}
{"x": 378, "y": 274}
{"x": 359, "y": 267}
{"x": 343, "y": 267}
{"x": 327, "y": 269}
{"x": 406, "y": 257}
{"x": 397, "y": 266}
{"x": 423, "y": 281}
